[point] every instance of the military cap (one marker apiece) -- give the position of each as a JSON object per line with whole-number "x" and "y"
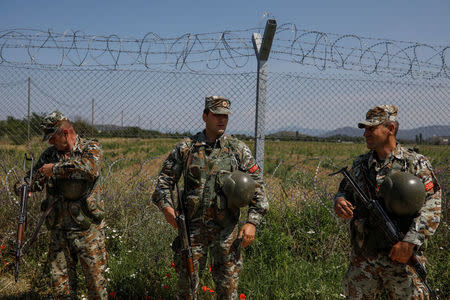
{"x": 51, "y": 123}
{"x": 218, "y": 105}
{"x": 379, "y": 115}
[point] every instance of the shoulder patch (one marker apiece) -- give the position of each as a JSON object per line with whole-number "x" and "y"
{"x": 253, "y": 169}
{"x": 429, "y": 185}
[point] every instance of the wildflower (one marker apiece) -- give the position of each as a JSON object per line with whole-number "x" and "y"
{"x": 172, "y": 265}
{"x": 133, "y": 275}
{"x": 107, "y": 270}
{"x": 211, "y": 290}
{"x": 204, "y": 288}
{"x": 242, "y": 296}
{"x": 166, "y": 287}
{"x": 112, "y": 294}
{"x": 311, "y": 232}
{"x": 168, "y": 275}
{"x": 147, "y": 297}
{"x": 210, "y": 269}
{"x": 2, "y": 247}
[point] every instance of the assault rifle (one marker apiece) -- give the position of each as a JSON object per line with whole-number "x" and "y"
{"x": 392, "y": 234}
{"x": 25, "y": 192}
{"x": 183, "y": 233}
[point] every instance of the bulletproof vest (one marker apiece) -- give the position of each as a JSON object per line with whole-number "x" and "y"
{"x": 206, "y": 167}
{"x": 366, "y": 228}
{"x": 73, "y": 189}
{"x": 74, "y": 194}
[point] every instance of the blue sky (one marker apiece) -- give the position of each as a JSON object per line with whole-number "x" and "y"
{"x": 412, "y": 20}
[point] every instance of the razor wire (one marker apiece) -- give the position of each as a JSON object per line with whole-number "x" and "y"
{"x": 231, "y": 49}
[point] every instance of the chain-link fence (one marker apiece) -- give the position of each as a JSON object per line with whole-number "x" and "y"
{"x": 149, "y": 104}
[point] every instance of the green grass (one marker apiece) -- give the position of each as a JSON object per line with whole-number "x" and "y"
{"x": 300, "y": 252}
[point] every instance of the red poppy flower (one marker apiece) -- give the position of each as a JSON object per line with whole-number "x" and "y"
{"x": 147, "y": 297}
{"x": 168, "y": 275}
{"x": 172, "y": 265}
{"x": 166, "y": 287}
{"x": 211, "y": 290}
{"x": 2, "y": 247}
{"x": 112, "y": 294}
{"x": 242, "y": 296}
{"x": 204, "y": 288}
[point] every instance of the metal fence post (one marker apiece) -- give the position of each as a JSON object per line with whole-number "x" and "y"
{"x": 29, "y": 111}
{"x": 262, "y": 50}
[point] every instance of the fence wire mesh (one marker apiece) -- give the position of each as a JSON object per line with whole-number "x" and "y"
{"x": 159, "y": 103}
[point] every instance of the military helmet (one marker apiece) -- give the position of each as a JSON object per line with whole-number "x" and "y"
{"x": 403, "y": 193}
{"x": 72, "y": 189}
{"x": 239, "y": 188}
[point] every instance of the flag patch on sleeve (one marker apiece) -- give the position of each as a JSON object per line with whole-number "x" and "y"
{"x": 429, "y": 185}
{"x": 253, "y": 169}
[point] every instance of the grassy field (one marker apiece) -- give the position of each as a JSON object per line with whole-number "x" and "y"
{"x": 301, "y": 250}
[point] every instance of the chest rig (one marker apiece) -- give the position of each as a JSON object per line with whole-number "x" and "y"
{"x": 204, "y": 167}
{"x": 367, "y": 238}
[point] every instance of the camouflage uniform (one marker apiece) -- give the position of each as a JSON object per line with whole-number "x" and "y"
{"x": 370, "y": 268}
{"x": 213, "y": 227}
{"x": 76, "y": 226}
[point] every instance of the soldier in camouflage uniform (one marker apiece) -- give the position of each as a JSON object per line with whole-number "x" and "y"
{"x": 70, "y": 172}
{"x": 374, "y": 266}
{"x": 213, "y": 226}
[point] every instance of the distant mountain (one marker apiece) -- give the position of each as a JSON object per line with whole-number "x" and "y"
{"x": 427, "y": 132}
{"x": 286, "y": 134}
{"x": 348, "y": 131}
{"x": 403, "y": 134}
{"x": 301, "y": 131}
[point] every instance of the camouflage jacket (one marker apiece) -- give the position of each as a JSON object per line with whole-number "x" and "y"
{"x": 82, "y": 164}
{"x": 369, "y": 173}
{"x": 207, "y": 163}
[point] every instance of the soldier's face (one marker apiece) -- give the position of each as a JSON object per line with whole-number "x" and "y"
{"x": 376, "y": 136}
{"x": 215, "y": 123}
{"x": 59, "y": 140}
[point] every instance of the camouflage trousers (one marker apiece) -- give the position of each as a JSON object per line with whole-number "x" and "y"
{"x": 225, "y": 257}
{"x": 65, "y": 249}
{"x": 368, "y": 278}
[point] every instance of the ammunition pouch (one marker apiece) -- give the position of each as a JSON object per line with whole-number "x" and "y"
{"x": 221, "y": 199}
{"x": 367, "y": 238}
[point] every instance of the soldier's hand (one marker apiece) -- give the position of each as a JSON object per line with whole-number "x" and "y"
{"x": 401, "y": 252}
{"x": 47, "y": 170}
{"x": 169, "y": 214}
{"x": 343, "y": 208}
{"x": 247, "y": 234}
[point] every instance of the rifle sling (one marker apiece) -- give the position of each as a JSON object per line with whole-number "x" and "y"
{"x": 38, "y": 227}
